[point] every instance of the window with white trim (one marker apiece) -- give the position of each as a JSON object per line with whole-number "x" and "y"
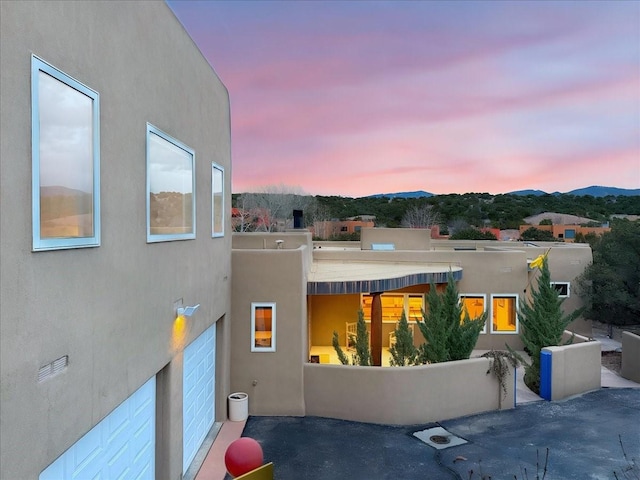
{"x": 473, "y": 304}
{"x": 504, "y": 313}
{"x": 65, "y": 142}
{"x": 263, "y": 327}
{"x": 217, "y": 200}
{"x": 171, "y": 188}
{"x": 563, "y": 289}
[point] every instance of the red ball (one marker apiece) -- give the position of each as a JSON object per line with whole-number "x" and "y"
{"x": 242, "y": 456}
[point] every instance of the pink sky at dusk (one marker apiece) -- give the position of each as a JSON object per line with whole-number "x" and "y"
{"x": 354, "y": 98}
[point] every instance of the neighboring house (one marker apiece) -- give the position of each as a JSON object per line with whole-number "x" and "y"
{"x": 99, "y": 374}
{"x": 567, "y": 233}
{"x": 326, "y": 229}
{"x": 290, "y": 294}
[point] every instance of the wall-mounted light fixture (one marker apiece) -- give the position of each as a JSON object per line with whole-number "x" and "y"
{"x": 186, "y": 311}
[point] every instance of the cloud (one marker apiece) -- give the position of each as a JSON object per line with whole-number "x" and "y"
{"x": 438, "y": 96}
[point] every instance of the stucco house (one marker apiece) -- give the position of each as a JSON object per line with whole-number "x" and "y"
{"x": 115, "y": 186}
{"x": 290, "y": 294}
{"x": 128, "y": 310}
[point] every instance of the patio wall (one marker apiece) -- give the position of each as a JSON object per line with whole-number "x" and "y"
{"x": 403, "y": 395}
{"x": 631, "y": 356}
{"x": 573, "y": 369}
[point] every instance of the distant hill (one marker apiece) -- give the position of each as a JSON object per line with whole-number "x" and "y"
{"x": 598, "y": 191}
{"x": 537, "y": 193}
{"x": 594, "y": 191}
{"x": 417, "y": 194}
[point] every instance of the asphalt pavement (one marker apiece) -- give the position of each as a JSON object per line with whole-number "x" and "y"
{"x": 591, "y": 436}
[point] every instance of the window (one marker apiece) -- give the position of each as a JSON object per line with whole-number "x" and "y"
{"x": 504, "y": 318}
{"x": 263, "y": 327}
{"x": 65, "y": 142}
{"x": 562, "y": 288}
{"x": 474, "y": 305}
{"x": 570, "y": 233}
{"x": 393, "y": 304}
{"x": 171, "y": 187}
{"x": 217, "y": 200}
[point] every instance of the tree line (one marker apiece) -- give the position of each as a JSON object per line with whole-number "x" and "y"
{"x": 455, "y": 211}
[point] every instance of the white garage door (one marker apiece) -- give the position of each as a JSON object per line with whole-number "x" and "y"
{"x": 121, "y": 446}
{"x": 198, "y": 404}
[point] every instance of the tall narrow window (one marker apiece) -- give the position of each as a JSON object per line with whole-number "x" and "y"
{"x": 65, "y": 139}
{"x": 217, "y": 200}
{"x": 474, "y": 305}
{"x": 263, "y": 327}
{"x": 171, "y": 187}
{"x": 504, "y": 314}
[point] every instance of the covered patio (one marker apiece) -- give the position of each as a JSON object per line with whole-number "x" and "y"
{"x": 337, "y": 290}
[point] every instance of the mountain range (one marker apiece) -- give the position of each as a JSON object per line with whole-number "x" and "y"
{"x": 594, "y": 191}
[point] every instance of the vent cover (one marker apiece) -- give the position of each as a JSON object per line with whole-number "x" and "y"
{"x": 51, "y": 369}
{"x": 439, "y": 438}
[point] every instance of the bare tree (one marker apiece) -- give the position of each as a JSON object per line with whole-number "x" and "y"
{"x": 271, "y": 209}
{"x": 423, "y": 216}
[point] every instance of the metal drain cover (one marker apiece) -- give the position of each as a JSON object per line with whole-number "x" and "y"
{"x": 438, "y": 437}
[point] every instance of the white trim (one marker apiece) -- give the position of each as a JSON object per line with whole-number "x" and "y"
{"x": 505, "y": 295}
{"x": 167, "y": 237}
{"x": 214, "y": 169}
{"x": 254, "y": 306}
{"x": 568, "y": 284}
{"x": 38, "y": 243}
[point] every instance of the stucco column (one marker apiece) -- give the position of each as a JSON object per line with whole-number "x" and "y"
{"x": 376, "y": 329}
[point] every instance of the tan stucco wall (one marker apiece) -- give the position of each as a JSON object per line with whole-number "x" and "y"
{"x": 631, "y": 356}
{"x": 404, "y": 395}
{"x": 270, "y": 276}
{"x": 401, "y": 238}
{"x": 574, "y": 369}
{"x": 110, "y": 308}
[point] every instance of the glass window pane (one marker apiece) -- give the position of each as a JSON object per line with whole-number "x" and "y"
{"x": 415, "y": 308}
{"x": 66, "y": 159}
{"x": 263, "y": 327}
{"x": 474, "y": 306}
{"x": 171, "y": 185}
{"x": 217, "y": 201}
{"x": 504, "y": 314}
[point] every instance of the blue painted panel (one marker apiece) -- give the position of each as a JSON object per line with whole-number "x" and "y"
{"x": 545, "y": 374}
{"x": 121, "y": 446}
{"x": 198, "y": 402}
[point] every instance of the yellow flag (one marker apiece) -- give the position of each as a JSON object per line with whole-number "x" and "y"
{"x": 537, "y": 262}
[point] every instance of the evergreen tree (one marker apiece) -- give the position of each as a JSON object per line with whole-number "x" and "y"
{"x": 363, "y": 354}
{"x": 336, "y": 345}
{"x": 434, "y": 329}
{"x": 542, "y": 323}
{"x": 610, "y": 286}
{"x": 449, "y": 332}
{"x": 403, "y": 352}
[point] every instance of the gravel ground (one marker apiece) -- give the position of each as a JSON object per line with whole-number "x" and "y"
{"x": 613, "y": 360}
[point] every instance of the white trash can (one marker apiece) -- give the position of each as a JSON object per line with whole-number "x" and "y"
{"x": 238, "y": 407}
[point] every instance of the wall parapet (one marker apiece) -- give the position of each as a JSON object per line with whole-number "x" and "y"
{"x": 404, "y": 395}
{"x": 570, "y": 370}
{"x": 631, "y": 356}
